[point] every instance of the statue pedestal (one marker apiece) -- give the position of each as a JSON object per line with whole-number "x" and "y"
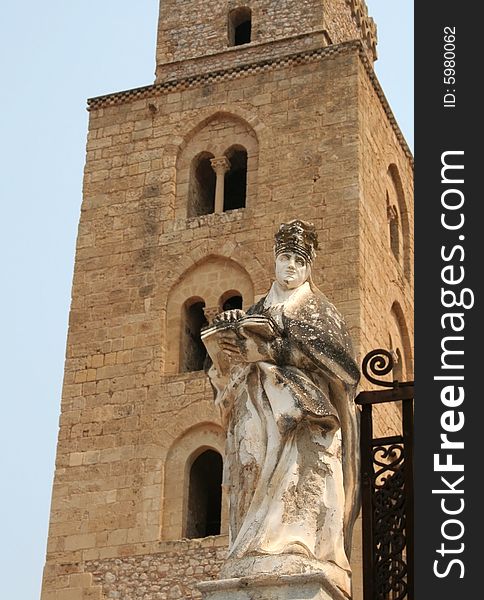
{"x": 307, "y": 586}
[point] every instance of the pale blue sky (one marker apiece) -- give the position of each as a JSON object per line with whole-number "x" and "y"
{"x": 54, "y": 55}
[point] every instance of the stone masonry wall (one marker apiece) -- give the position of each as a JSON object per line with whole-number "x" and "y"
{"x": 384, "y": 281}
{"x": 170, "y": 574}
{"x": 192, "y": 29}
{"x": 348, "y": 20}
{"x": 120, "y": 415}
{"x": 124, "y": 418}
{"x": 239, "y": 56}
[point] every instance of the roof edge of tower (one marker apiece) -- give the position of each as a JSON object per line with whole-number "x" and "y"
{"x": 258, "y": 66}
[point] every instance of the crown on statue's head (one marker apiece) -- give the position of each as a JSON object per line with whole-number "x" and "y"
{"x": 299, "y": 237}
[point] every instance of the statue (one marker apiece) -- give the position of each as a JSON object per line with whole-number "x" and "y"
{"x": 284, "y": 378}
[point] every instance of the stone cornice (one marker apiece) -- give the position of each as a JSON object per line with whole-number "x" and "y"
{"x": 184, "y": 83}
{"x": 237, "y": 56}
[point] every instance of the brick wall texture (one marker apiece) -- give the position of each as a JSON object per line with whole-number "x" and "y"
{"x": 322, "y": 145}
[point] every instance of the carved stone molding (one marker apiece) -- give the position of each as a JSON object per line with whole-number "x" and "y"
{"x": 220, "y": 164}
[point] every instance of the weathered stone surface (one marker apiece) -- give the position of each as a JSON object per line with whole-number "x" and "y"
{"x": 312, "y": 586}
{"x": 285, "y": 380}
{"x": 174, "y": 571}
{"x": 322, "y": 144}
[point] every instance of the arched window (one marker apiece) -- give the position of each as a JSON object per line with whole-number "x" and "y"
{"x": 192, "y": 350}
{"x": 210, "y": 282}
{"x": 232, "y": 300}
{"x": 240, "y": 26}
{"x": 197, "y": 437}
{"x": 204, "y": 496}
{"x": 222, "y": 149}
{"x": 201, "y": 190}
{"x": 235, "y": 188}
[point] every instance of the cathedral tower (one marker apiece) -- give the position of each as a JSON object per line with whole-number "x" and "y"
{"x": 262, "y": 111}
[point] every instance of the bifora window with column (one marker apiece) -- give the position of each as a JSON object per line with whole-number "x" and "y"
{"x": 216, "y": 168}
{"x": 208, "y": 287}
{"x": 196, "y": 316}
{"x": 218, "y": 184}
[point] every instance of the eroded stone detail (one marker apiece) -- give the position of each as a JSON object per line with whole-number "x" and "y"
{"x": 285, "y": 379}
{"x": 326, "y": 137}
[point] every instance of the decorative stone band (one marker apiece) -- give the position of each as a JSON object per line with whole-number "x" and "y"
{"x": 296, "y": 248}
{"x": 256, "y": 67}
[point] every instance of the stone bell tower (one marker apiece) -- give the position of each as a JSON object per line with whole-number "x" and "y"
{"x": 262, "y": 111}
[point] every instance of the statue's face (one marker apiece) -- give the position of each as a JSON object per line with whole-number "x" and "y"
{"x": 291, "y": 270}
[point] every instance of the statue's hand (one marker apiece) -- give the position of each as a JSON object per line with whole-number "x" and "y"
{"x": 229, "y": 316}
{"x": 239, "y": 344}
{"x": 231, "y": 344}
{"x": 255, "y": 348}
{"x": 244, "y": 347}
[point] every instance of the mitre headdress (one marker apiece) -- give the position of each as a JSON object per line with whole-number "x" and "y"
{"x": 299, "y": 237}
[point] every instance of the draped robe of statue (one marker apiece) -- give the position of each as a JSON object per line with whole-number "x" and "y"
{"x": 291, "y": 466}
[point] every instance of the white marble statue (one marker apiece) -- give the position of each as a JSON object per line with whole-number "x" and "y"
{"x": 284, "y": 378}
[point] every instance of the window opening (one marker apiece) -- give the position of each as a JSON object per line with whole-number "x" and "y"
{"x": 201, "y": 192}
{"x": 240, "y": 26}
{"x": 235, "y": 189}
{"x": 205, "y": 496}
{"x": 193, "y": 351}
{"x": 232, "y": 303}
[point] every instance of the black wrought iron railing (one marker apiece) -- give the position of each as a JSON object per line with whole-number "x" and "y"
{"x": 387, "y": 487}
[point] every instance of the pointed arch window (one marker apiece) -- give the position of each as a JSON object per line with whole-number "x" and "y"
{"x": 204, "y": 496}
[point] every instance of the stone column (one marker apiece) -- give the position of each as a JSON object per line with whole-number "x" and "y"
{"x": 220, "y": 165}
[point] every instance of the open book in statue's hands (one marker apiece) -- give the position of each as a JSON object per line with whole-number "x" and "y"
{"x": 225, "y": 335}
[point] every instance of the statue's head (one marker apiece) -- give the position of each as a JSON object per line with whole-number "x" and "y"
{"x": 295, "y": 249}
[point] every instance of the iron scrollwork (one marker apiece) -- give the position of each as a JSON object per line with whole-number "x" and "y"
{"x": 387, "y": 491}
{"x": 380, "y": 362}
{"x": 389, "y": 522}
